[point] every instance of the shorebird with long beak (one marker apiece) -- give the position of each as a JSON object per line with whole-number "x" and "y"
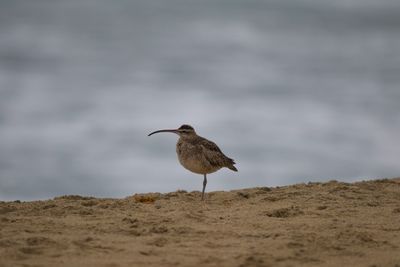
{"x": 198, "y": 154}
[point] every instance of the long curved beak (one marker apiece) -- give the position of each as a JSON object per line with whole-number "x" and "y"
{"x": 165, "y": 131}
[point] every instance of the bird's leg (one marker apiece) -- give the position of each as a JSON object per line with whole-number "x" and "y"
{"x": 204, "y": 186}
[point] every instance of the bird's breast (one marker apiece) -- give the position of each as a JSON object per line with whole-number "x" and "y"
{"x": 192, "y": 158}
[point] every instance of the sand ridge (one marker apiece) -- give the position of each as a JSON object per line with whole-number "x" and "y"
{"x": 314, "y": 224}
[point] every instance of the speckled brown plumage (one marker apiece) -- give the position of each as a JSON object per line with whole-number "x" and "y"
{"x": 202, "y": 156}
{"x": 197, "y": 154}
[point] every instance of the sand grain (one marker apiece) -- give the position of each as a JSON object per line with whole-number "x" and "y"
{"x": 315, "y": 224}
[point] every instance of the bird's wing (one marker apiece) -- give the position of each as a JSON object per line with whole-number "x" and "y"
{"x": 213, "y": 154}
{"x": 211, "y": 146}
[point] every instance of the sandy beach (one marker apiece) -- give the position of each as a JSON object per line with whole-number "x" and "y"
{"x": 314, "y": 224}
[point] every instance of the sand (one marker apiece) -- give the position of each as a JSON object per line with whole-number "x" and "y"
{"x": 314, "y": 224}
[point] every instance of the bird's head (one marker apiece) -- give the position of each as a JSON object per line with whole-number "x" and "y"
{"x": 185, "y": 131}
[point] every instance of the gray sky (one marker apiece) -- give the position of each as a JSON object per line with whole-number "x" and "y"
{"x": 294, "y": 91}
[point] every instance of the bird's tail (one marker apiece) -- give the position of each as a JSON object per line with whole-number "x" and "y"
{"x": 233, "y": 168}
{"x": 230, "y": 165}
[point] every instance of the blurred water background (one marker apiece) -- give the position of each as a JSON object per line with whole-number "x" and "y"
{"x": 293, "y": 90}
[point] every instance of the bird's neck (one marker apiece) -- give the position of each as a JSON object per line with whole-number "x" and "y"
{"x": 188, "y": 138}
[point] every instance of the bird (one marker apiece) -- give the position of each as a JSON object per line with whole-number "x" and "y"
{"x": 197, "y": 154}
